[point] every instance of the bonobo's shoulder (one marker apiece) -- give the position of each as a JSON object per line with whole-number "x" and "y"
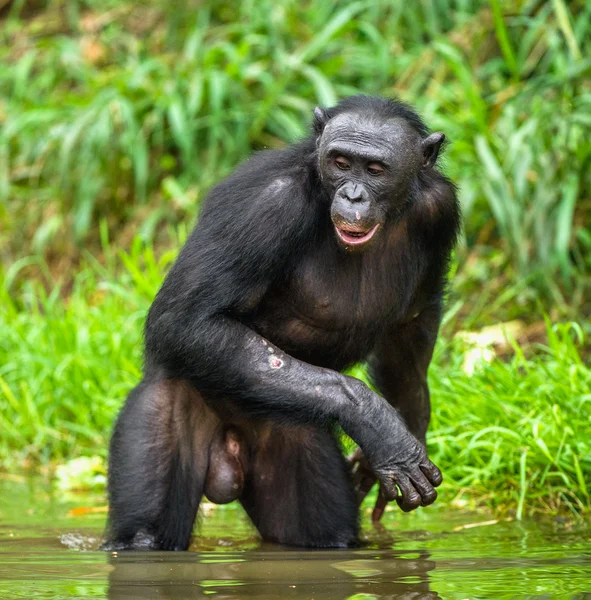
{"x": 268, "y": 177}
{"x": 294, "y": 163}
{"x": 435, "y": 209}
{"x": 280, "y": 184}
{"x": 436, "y": 198}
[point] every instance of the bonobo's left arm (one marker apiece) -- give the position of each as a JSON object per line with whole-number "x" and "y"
{"x": 398, "y": 368}
{"x": 401, "y": 358}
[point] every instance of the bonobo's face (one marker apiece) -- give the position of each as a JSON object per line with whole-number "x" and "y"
{"x": 367, "y": 167}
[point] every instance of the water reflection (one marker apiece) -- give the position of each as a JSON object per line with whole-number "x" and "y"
{"x": 47, "y": 553}
{"x": 318, "y": 575}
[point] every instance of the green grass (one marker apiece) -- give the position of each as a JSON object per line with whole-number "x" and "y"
{"x": 514, "y": 436}
{"x": 118, "y": 117}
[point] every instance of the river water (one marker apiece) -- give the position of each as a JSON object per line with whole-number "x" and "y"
{"x": 49, "y": 542}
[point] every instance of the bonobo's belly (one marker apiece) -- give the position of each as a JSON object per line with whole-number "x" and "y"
{"x": 329, "y": 349}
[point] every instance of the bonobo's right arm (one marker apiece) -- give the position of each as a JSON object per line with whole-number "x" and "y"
{"x": 253, "y": 228}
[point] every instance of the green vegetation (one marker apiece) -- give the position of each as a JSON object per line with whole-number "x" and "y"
{"x": 513, "y": 435}
{"x": 133, "y": 111}
{"x": 116, "y": 117}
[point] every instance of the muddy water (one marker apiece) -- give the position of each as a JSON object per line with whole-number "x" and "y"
{"x": 46, "y": 551}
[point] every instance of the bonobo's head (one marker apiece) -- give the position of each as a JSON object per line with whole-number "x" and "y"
{"x": 370, "y": 154}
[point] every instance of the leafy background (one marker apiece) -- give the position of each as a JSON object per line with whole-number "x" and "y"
{"x": 117, "y": 117}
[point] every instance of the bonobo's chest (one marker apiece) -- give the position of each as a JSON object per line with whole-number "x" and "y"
{"x": 333, "y": 307}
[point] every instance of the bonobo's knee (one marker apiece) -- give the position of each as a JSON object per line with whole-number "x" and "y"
{"x": 227, "y": 463}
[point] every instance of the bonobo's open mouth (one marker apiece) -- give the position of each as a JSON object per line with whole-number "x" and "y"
{"x": 353, "y": 235}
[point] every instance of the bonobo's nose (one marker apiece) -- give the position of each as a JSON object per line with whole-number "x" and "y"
{"x": 353, "y": 192}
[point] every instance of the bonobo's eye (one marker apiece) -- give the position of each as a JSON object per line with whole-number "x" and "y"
{"x": 342, "y": 163}
{"x": 375, "y": 169}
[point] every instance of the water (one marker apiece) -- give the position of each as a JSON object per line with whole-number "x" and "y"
{"x": 47, "y": 552}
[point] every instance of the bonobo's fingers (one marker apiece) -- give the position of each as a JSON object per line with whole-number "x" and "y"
{"x": 410, "y": 485}
{"x": 416, "y": 476}
{"x": 380, "y": 506}
{"x": 388, "y": 486}
{"x": 432, "y": 472}
{"x": 409, "y": 498}
{"x": 425, "y": 489}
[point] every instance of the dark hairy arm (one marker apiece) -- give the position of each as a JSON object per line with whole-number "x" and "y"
{"x": 250, "y": 232}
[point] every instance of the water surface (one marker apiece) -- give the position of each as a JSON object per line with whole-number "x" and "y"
{"x": 46, "y": 551}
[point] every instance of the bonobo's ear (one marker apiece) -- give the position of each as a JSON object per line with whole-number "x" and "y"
{"x": 431, "y": 146}
{"x": 320, "y": 119}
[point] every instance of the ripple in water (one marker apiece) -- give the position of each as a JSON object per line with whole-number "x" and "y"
{"x": 77, "y": 541}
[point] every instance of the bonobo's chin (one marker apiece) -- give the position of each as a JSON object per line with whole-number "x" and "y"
{"x": 355, "y": 237}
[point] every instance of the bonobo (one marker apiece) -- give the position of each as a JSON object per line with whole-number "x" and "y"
{"x": 303, "y": 262}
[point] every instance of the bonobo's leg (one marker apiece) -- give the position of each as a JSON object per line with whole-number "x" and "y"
{"x": 298, "y": 490}
{"x": 228, "y": 459}
{"x": 399, "y": 368}
{"x": 157, "y": 465}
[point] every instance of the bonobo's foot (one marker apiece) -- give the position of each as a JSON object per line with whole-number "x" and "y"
{"x": 140, "y": 541}
{"x": 416, "y": 490}
{"x": 227, "y": 462}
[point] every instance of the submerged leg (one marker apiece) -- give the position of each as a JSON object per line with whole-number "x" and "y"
{"x": 158, "y": 464}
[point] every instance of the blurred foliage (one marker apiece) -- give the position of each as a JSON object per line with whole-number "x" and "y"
{"x": 130, "y": 112}
{"x": 81, "y": 474}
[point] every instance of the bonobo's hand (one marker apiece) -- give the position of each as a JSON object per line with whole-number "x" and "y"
{"x": 397, "y": 458}
{"x": 364, "y": 479}
{"x": 409, "y": 469}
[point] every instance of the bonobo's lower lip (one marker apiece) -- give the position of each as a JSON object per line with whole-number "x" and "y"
{"x": 355, "y": 237}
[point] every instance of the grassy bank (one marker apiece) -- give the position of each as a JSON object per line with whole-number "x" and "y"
{"x": 117, "y": 117}
{"x": 130, "y": 112}
{"x": 513, "y": 436}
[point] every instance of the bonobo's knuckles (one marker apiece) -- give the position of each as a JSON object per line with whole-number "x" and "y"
{"x": 415, "y": 476}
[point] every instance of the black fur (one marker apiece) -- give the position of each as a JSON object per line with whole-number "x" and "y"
{"x": 263, "y": 308}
